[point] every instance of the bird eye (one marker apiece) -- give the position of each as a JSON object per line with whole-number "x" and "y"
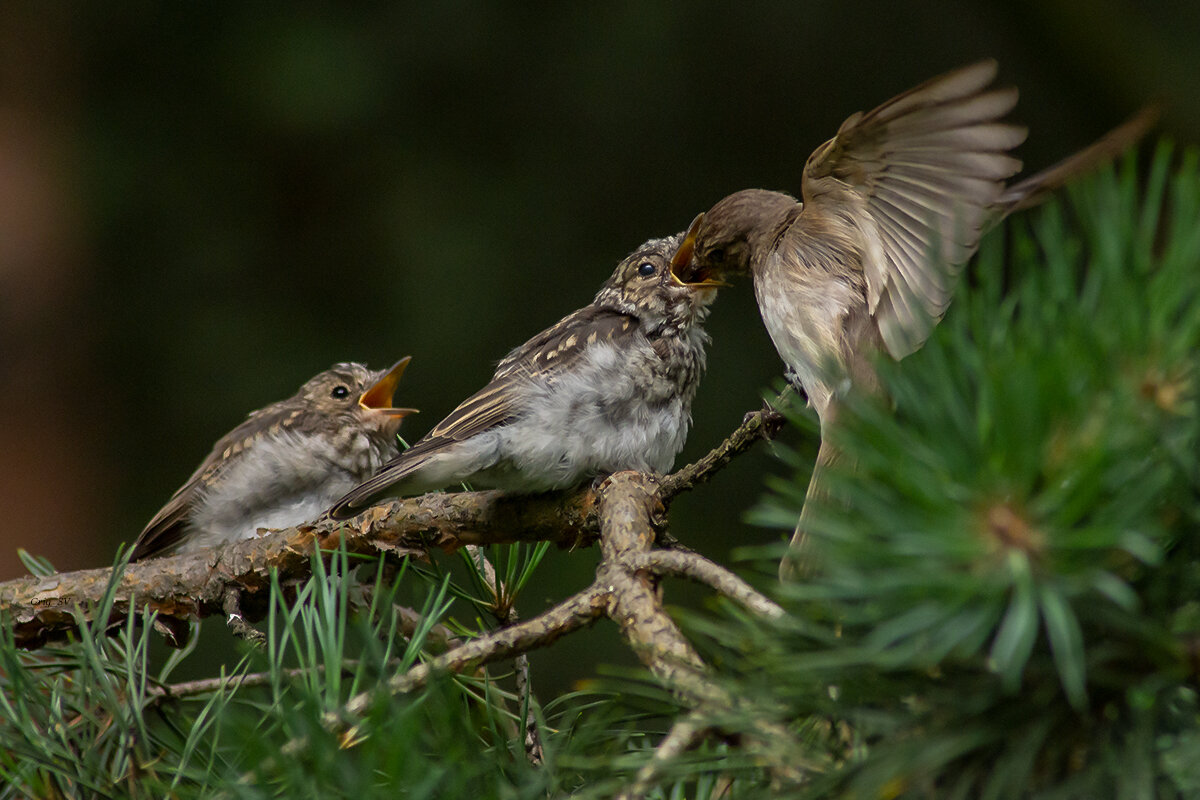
{"x": 646, "y": 269}
{"x": 716, "y": 255}
{"x": 339, "y": 392}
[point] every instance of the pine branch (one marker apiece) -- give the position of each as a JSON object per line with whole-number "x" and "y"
{"x": 762, "y": 424}
{"x": 237, "y": 576}
{"x": 627, "y": 513}
{"x": 630, "y": 510}
{"x": 195, "y": 585}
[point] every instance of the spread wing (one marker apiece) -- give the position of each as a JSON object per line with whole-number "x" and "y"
{"x": 545, "y": 356}
{"x": 169, "y": 525}
{"x": 917, "y": 176}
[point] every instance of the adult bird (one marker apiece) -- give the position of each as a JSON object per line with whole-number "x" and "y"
{"x": 892, "y": 207}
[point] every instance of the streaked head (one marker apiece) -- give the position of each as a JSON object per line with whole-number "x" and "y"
{"x": 355, "y": 392}
{"x": 643, "y": 286}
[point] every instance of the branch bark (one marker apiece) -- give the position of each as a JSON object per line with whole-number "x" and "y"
{"x": 190, "y": 586}
{"x": 197, "y": 584}
{"x": 625, "y": 590}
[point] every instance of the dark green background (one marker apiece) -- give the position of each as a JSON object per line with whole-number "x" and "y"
{"x": 206, "y": 203}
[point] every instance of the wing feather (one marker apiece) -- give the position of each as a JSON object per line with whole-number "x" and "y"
{"x": 543, "y": 357}
{"x": 922, "y": 172}
{"x": 169, "y": 525}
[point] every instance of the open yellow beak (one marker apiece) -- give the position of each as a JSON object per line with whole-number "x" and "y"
{"x": 379, "y": 396}
{"x": 683, "y": 271}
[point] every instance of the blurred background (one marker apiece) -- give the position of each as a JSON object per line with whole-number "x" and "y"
{"x": 202, "y": 205}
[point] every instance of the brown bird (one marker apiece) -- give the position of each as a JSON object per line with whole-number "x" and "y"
{"x": 285, "y": 464}
{"x": 609, "y": 387}
{"x": 893, "y": 206}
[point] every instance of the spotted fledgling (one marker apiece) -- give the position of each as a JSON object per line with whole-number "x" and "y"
{"x": 285, "y": 464}
{"x": 607, "y": 388}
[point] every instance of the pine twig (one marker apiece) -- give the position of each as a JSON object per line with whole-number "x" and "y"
{"x": 686, "y": 731}
{"x": 762, "y": 424}
{"x": 506, "y": 614}
{"x": 577, "y": 612}
{"x": 696, "y": 567}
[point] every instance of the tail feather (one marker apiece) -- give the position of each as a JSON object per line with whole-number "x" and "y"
{"x": 1034, "y": 189}
{"x": 799, "y": 563}
{"x": 363, "y": 495}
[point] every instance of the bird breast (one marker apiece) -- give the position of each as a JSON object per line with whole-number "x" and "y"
{"x": 621, "y": 407}
{"x": 284, "y": 480}
{"x": 805, "y": 312}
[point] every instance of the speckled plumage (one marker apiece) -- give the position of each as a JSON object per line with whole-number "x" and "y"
{"x": 607, "y": 388}
{"x": 284, "y": 464}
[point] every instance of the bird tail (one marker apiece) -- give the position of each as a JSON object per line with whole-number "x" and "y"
{"x": 800, "y": 563}
{"x": 363, "y": 495}
{"x": 1036, "y": 188}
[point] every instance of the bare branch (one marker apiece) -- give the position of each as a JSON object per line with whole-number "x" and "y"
{"x": 762, "y": 424}
{"x": 698, "y": 568}
{"x": 195, "y": 584}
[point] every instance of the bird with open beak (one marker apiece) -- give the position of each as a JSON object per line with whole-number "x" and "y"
{"x": 607, "y": 388}
{"x": 893, "y": 206}
{"x": 285, "y": 463}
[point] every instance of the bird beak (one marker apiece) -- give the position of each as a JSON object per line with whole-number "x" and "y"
{"x": 683, "y": 271}
{"x": 379, "y": 396}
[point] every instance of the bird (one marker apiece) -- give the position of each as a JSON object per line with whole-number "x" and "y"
{"x": 285, "y": 463}
{"x": 607, "y": 388}
{"x": 867, "y": 261}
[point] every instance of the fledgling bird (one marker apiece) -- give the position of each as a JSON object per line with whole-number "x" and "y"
{"x": 285, "y": 464}
{"x": 607, "y": 388}
{"x": 893, "y": 206}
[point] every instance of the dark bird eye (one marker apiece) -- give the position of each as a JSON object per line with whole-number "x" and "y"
{"x": 646, "y": 269}
{"x": 716, "y": 255}
{"x": 339, "y": 392}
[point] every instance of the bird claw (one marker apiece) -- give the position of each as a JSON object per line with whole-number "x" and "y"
{"x": 771, "y": 420}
